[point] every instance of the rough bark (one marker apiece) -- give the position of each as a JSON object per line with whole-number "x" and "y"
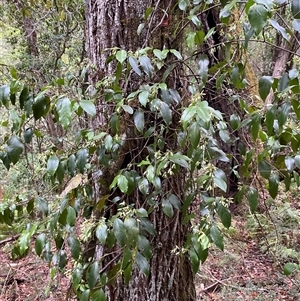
{"x": 114, "y": 24}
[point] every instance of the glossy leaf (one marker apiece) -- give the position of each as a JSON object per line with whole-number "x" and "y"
{"x": 166, "y": 113}
{"x": 143, "y": 263}
{"x": 220, "y": 179}
{"x": 74, "y": 246}
{"x": 101, "y": 233}
{"x": 167, "y": 208}
{"x": 257, "y": 15}
{"x": 224, "y": 215}
{"x": 253, "y": 199}
{"x": 119, "y": 231}
{"x": 122, "y": 183}
{"x": 81, "y": 159}
{"x": 146, "y": 65}
{"x": 273, "y": 185}
{"x": 121, "y": 56}
{"x": 63, "y": 108}
{"x": 88, "y": 106}
{"x": 143, "y": 98}
{"x": 217, "y": 237}
{"x": 93, "y": 274}
{"x": 14, "y": 148}
{"x": 134, "y": 65}
{"x": 40, "y": 243}
{"x": 289, "y": 163}
{"x": 264, "y": 86}
{"x": 264, "y": 169}
{"x": 52, "y": 165}
{"x": 40, "y": 106}
{"x": 139, "y": 120}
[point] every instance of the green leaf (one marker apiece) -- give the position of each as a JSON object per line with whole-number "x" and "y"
{"x": 101, "y": 233}
{"x": 220, "y": 179}
{"x": 217, "y": 237}
{"x": 166, "y": 113}
{"x": 23, "y": 97}
{"x": 264, "y": 86}
{"x": 99, "y": 295}
{"x": 183, "y": 4}
{"x": 144, "y": 246}
{"x": 289, "y": 268}
{"x": 289, "y": 163}
{"x": 122, "y": 183}
{"x": 283, "y": 113}
{"x": 297, "y": 161}
{"x": 224, "y": 215}
{"x": 148, "y": 12}
{"x": 40, "y": 243}
{"x": 14, "y": 148}
{"x": 264, "y": 169}
{"x": 76, "y": 277}
{"x": 74, "y": 246}
{"x": 85, "y": 295}
{"x": 52, "y": 165}
{"x": 40, "y": 106}
{"x": 174, "y": 200}
{"x": 273, "y": 185}
{"x": 88, "y": 106}
{"x": 93, "y": 274}
{"x": 134, "y": 65}
{"x": 139, "y": 120}
{"x": 279, "y": 28}
{"x": 255, "y": 125}
{"x": 140, "y": 28}
{"x": 4, "y": 95}
{"x": 119, "y": 232}
{"x": 188, "y": 114}
{"x": 180, "y": 159}
{"x": 143, "y": 98}
{"x": 194, "y": 134}
{"x": 203, "y": 111}
{"x": 295, "y": 8}
{"x": 132, "y": 230}
{"x": 143, "y": 263}
{"x": 63, "y": 108}
{"x": 121, "y": 56}
{"x": 270, "y": 117}
{"x": 146, "y": 65}
{"x": 176, "y": 53}
{"x": 167, "y": 208}
{"x": 143, "y": 186}
{"x": 71, "y": 216}
{"x": 258, "y": 15}
{"x": 27, "y": 135}
{"x": 253, "y": 199}
{"x": 71, "y": 163}
{"x": 235, "y": 121}
{"x": 203, "y": 67}
{"x": 81, "y": 159}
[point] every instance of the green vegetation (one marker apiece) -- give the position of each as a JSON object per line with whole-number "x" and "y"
{"x": 129, "y": 149}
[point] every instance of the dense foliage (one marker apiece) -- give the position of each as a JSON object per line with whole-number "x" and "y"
{"x": 48, "y": 107}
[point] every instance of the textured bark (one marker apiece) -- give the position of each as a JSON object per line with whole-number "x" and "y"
{"x": 29, "y": 30}
{"x": 114, "y": 24}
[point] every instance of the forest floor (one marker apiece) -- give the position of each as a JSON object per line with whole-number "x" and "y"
{"x": 242, "y": 272}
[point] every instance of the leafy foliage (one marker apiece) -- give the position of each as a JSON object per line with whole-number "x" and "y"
{"x": 72, "y": 152}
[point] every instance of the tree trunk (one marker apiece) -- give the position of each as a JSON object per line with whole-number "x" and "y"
{"x": 114, "y": 24}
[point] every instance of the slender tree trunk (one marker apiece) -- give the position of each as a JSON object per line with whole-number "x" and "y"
{"x": 114, "y": 24}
